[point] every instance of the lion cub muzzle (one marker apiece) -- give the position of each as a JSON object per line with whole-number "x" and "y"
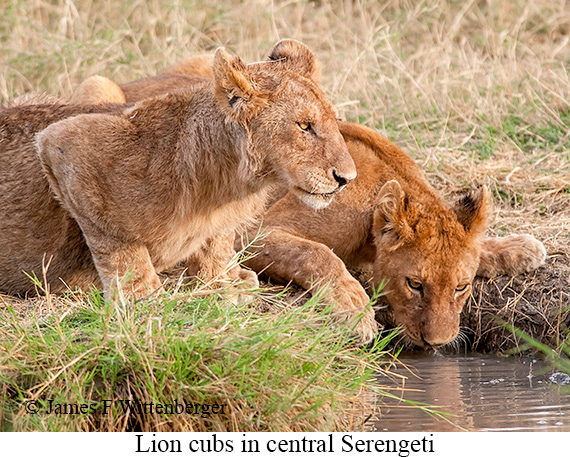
{"x": 321, "y": 192}
{"x": 319, "y": 186}
{"x": 431, "y": 340}
{"x": 344, "y": 170}
{"x": 341, "y": 179}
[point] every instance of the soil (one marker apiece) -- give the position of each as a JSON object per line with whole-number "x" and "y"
{"x": 537, "y": 303}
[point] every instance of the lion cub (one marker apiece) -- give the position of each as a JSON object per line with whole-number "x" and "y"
{"x": 115, "y": 191}
{"x": 389, "y": 218}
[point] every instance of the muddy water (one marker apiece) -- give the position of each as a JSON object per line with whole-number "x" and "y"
{"x": 481, "y": 392}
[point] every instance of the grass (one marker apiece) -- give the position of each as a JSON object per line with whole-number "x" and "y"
{"x": 558, "y": 357}
{"x": 292, "y": 369}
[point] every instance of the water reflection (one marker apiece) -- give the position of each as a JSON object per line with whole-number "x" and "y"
{"x": 482, "y": 392}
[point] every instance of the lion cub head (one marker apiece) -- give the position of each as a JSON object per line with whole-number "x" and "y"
{"x": 289, "y": 119}
{"x": 429, "y": 253}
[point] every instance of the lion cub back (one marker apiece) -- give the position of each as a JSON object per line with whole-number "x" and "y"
{"x": 32, "y": 221}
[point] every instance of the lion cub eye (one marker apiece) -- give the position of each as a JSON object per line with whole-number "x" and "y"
{"x": 461, "y": 288}
{"x": 305, "y": 126}
{"x": 414, "y": 284}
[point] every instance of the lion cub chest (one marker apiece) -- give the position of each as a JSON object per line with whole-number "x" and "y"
{"x": 186, "y": 233}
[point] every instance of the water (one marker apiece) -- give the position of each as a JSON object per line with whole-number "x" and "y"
{"x": 482, "y": 392}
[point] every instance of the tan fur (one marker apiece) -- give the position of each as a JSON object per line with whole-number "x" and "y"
{"x": 141, "y": 188}
{"x": 97, "y": 89}
{"x": 33, "y": 225}
{"x": 198, "y": 65}
{"x": 391, "y": 219}
{"x": 188, "y": 73}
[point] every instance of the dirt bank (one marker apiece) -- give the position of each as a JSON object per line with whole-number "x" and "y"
{"x": 537, "y": 303}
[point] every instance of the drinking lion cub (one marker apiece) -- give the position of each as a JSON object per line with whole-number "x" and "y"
{"x": 390, "y": 218}
{"x": 116, "y": 191}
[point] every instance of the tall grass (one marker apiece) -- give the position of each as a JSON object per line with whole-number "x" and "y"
{"x": 292, "y": 369}
{"x": 559, "y": 356}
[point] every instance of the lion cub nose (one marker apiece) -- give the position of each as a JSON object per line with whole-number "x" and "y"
{"x": 434, "y": 342}
{"x": 343, "y": 178}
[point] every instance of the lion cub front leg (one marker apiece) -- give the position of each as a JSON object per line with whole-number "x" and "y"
{"x": 217, "y": 261}
{"x": 287, "y": 257}
{"x": 121, "y": 266}
{"x": 510, "y": 255}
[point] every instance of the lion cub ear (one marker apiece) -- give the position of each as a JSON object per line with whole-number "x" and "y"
{"x": 474, "y": 210}
{"x": 234, "y": 86}
{"x": 298, "y": 58}
{"x": 390, "y": 213}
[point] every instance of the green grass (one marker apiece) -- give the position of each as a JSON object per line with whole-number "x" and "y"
{"x": 291, "y": 369}
{"x": 558, "y": 356}
{"x": 529, "y": 137}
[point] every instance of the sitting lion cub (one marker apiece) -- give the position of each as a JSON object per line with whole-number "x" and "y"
{"x": 389, "y": 217}
{"x": 119, "y": 191}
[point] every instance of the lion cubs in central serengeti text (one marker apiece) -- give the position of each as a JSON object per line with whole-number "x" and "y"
{"x": 135, "y": 190}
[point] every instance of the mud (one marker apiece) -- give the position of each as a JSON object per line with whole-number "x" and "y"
{"x": 537, "y": 303}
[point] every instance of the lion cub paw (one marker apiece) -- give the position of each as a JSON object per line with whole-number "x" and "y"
{"x": 367, "y": 328}
{"x": 532, "y": 252}
{"x": 248, "y": 278}
{"x": 240, "y": 282}
{"x": 351, "y": 300}
{"x": 511, "y": 255}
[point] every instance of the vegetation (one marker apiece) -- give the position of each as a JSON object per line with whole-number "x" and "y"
{"x": 477, "y": 92}
{"x": 292, "y": 369}
{"x": 558, "y": 356}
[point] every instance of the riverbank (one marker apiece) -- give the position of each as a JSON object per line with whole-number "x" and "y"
{"x": 189, "y": 360}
